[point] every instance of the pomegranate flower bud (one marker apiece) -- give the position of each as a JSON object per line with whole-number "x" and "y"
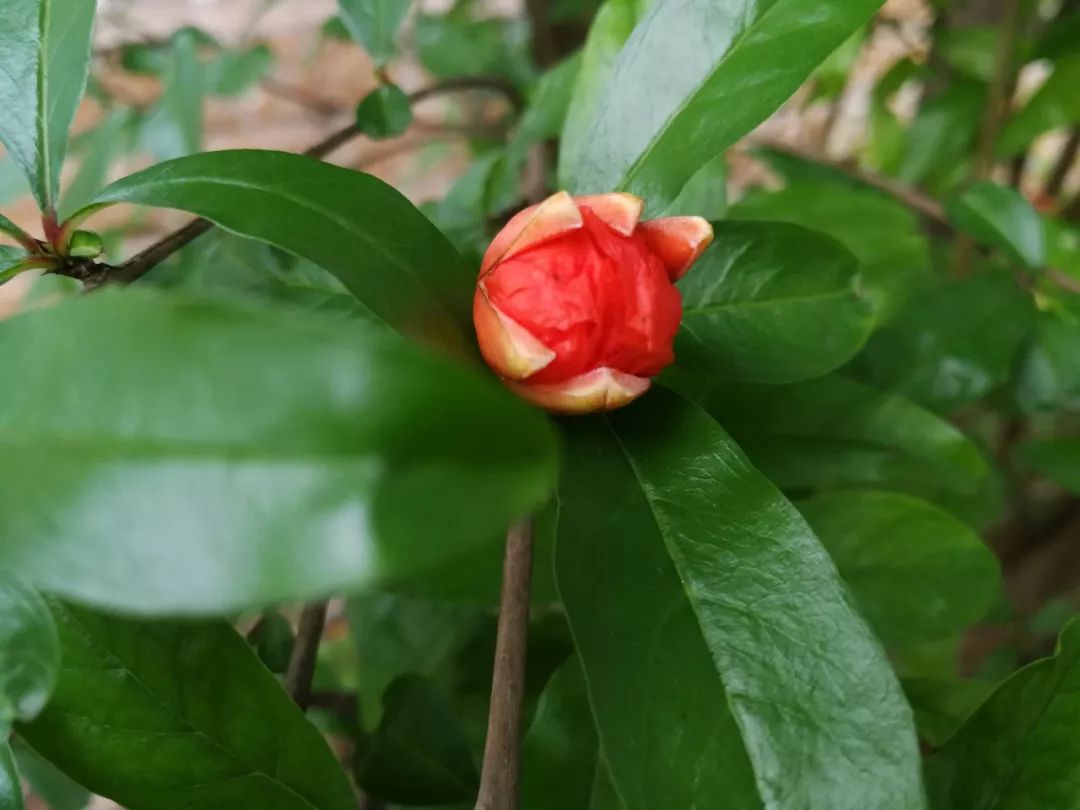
{"x": 575, "y": 306}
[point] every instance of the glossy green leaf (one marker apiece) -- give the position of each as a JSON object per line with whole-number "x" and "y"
{"x": 163, "y": 716}
{"x": 561, "y": 740}
{"x": 363, "y": 231}
{"x": 952, "y": 343}
{"x": 833, "y": 433}
{"x": 1019, "y": 750}
{"x": 771, "y": 302}
{"x": 604, "y": 796}
{"x": 885, "y": 237}
{"x": 374, "y": 25}
{"x": 608, "y": 33}
{"x": 100, "y": 149}
{"x": 29, "y": 651}
{"x": 385, "y": 112}
{"x": 10, "y": 256}
{"x": 737, "y": 667}
{"x": 12, "y": 230}
{"x": 742, "y": 57}
{"x": 918, "y": 573}
{"x": 1001, "y": 217}
{"x": 705, "y": 194}
{"x": 44, "y": 56}
{"x": 286, "y": 463}
{"x": 418, "y": 754}
{"x": 11, "y": 793}
{"x": 942, "y": 705}
{"x": 1055, "y": 104}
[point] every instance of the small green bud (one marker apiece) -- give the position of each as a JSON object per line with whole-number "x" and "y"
{"x": 85, "y": 245}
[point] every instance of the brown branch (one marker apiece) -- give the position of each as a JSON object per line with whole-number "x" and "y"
{"x": 1056, "y": 182}
{"x": 502, "y": 748}
{"x": 1002, "y": 82}
{"x": 301, "y": 669}
{"x": 141, "y": 263}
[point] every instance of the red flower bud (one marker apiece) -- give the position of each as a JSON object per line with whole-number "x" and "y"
{"x": 575, "y": 305}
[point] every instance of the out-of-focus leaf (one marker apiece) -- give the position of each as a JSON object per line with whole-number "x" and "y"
{"x": 1055, "y": 104}
{"x": 1059, "y": 39}
{"x": 1019, "y": 750}
{"x": 44, "y": 56}
{"x": 418, "y": 754}
{"x": 830, "y": 77}
{"x": 722, "y": 653}
{"x": 46, "y": 780}
{"x": 1058, "y": 459}
{"x": 101, "y": 148}
{"x": 29, "y": 651}
{"x": 1049, "y": 374}
{"x": 175, "y": 127}
{"x": 943, "y": 704}
{"x": 940, "y": 138}
{"x": 363, "y": 231}
{"x": 13, "y": 183}
{"x": 561, "y": 740}
{"x": 705, "y": 194}
{"x": 952, "y": 343}
{"x": 742, "y": 57}
{"x": 456, "y": 44}
{"x": 374, "y": 25}
{"x": 285, "y": 464}
{"x": 969, "y": 50}
{"x": 234, "y": 72}
{"x": 608, "y": 33}
{"x": 1001, "y": 217}
{"x": 145, "y": 59}
{"x": 885, "y": 237}
{"x": 918, "y": 573}
{"x": 163, "y": 716}
{"x": 272, "y": 639}
{"x": 771, "y": 302}
{"x": 385, "y": 112}
{"x": 11, "y": 793}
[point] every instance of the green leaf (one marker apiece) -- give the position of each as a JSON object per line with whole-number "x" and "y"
{"x": 100, "y": 149}
{"x": 180, "y": 716}
{"x": 918, "y": 573}
{"x": 561, "y": 740}
{"x": 833, "y": 433}
{"x": 742, "y": 57}
{"x": 943, "y": 704}
{"x": 722, "y": 654}
{"x": 705, "y": 194}
{"x": 44, "y": 56}
{"x": 970, "y": 50}
{"x": 951, "y": 344}
{"x": 272, "y": 639}
{"x": 1000, "y": 217}
{"x": 608, "y": 33}
{"x": 374, "y": 25}
{"x": 458, "y": 44}
{"x": 1049, "y": 376}
{"x": 286, "y": 463}
{"x": 1019, "y": 750}
{"x": 11, "y": 794}
{"x": 1057, "y": 458}
{"x": 180, "y": 113}
{"x": 232, "y": 73}
{"x": 771, "y": 302}
{"x": 385, "y": 112}
{"x": 1056, "y": 104}
{"x": 885, "y": 237}
{"x": 29, "y": 651}
{"x": 47, "y": 782}
{"x": 363, "y": 231}
{"x": 939, "y": 141}
{"x": 418, "y": 754}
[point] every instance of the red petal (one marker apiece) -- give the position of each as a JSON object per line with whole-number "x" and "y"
{"x": 677, "y": 241}
{"x": 618, "y": 210}
{"x": 538, "y": 223}
{"x": 508, "y": 347}
{"x": 603, "y": 389}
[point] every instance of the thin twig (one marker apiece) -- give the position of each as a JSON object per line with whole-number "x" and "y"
{"x": 502, "y": 749}
{"x": 141, "y": 263}
{"x": 301, "y": 669}
{"x": 1056, "y": 182}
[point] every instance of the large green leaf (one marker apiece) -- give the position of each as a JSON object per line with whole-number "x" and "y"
{"x": 941, "y": 705}
{"x": 771, "y": 302}
{"x": 163, "y": 716}
{"x": 1055, "y": 104}
{"x": 46, "y": 781}
{"x": 833, "y": 432}
{"x": 374, "y": 24}
{"x": 29, "y": 651}
{"x": 11, "y": 794}
{"x": 658, "y": 121}
{"x": 561, "y": 740}
{"x": 918, "y": 573}
{"x": 953, "y": 342}
{"x": 885, "y": 237}
{"x": 44, "y": 55}
{"x": 1019, "y": 751}
{"x": 722, "y": 654}
{"x": 203, "y": 456}
{"x": 1001, "y": 217}
{"x": 385, "y": 251}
